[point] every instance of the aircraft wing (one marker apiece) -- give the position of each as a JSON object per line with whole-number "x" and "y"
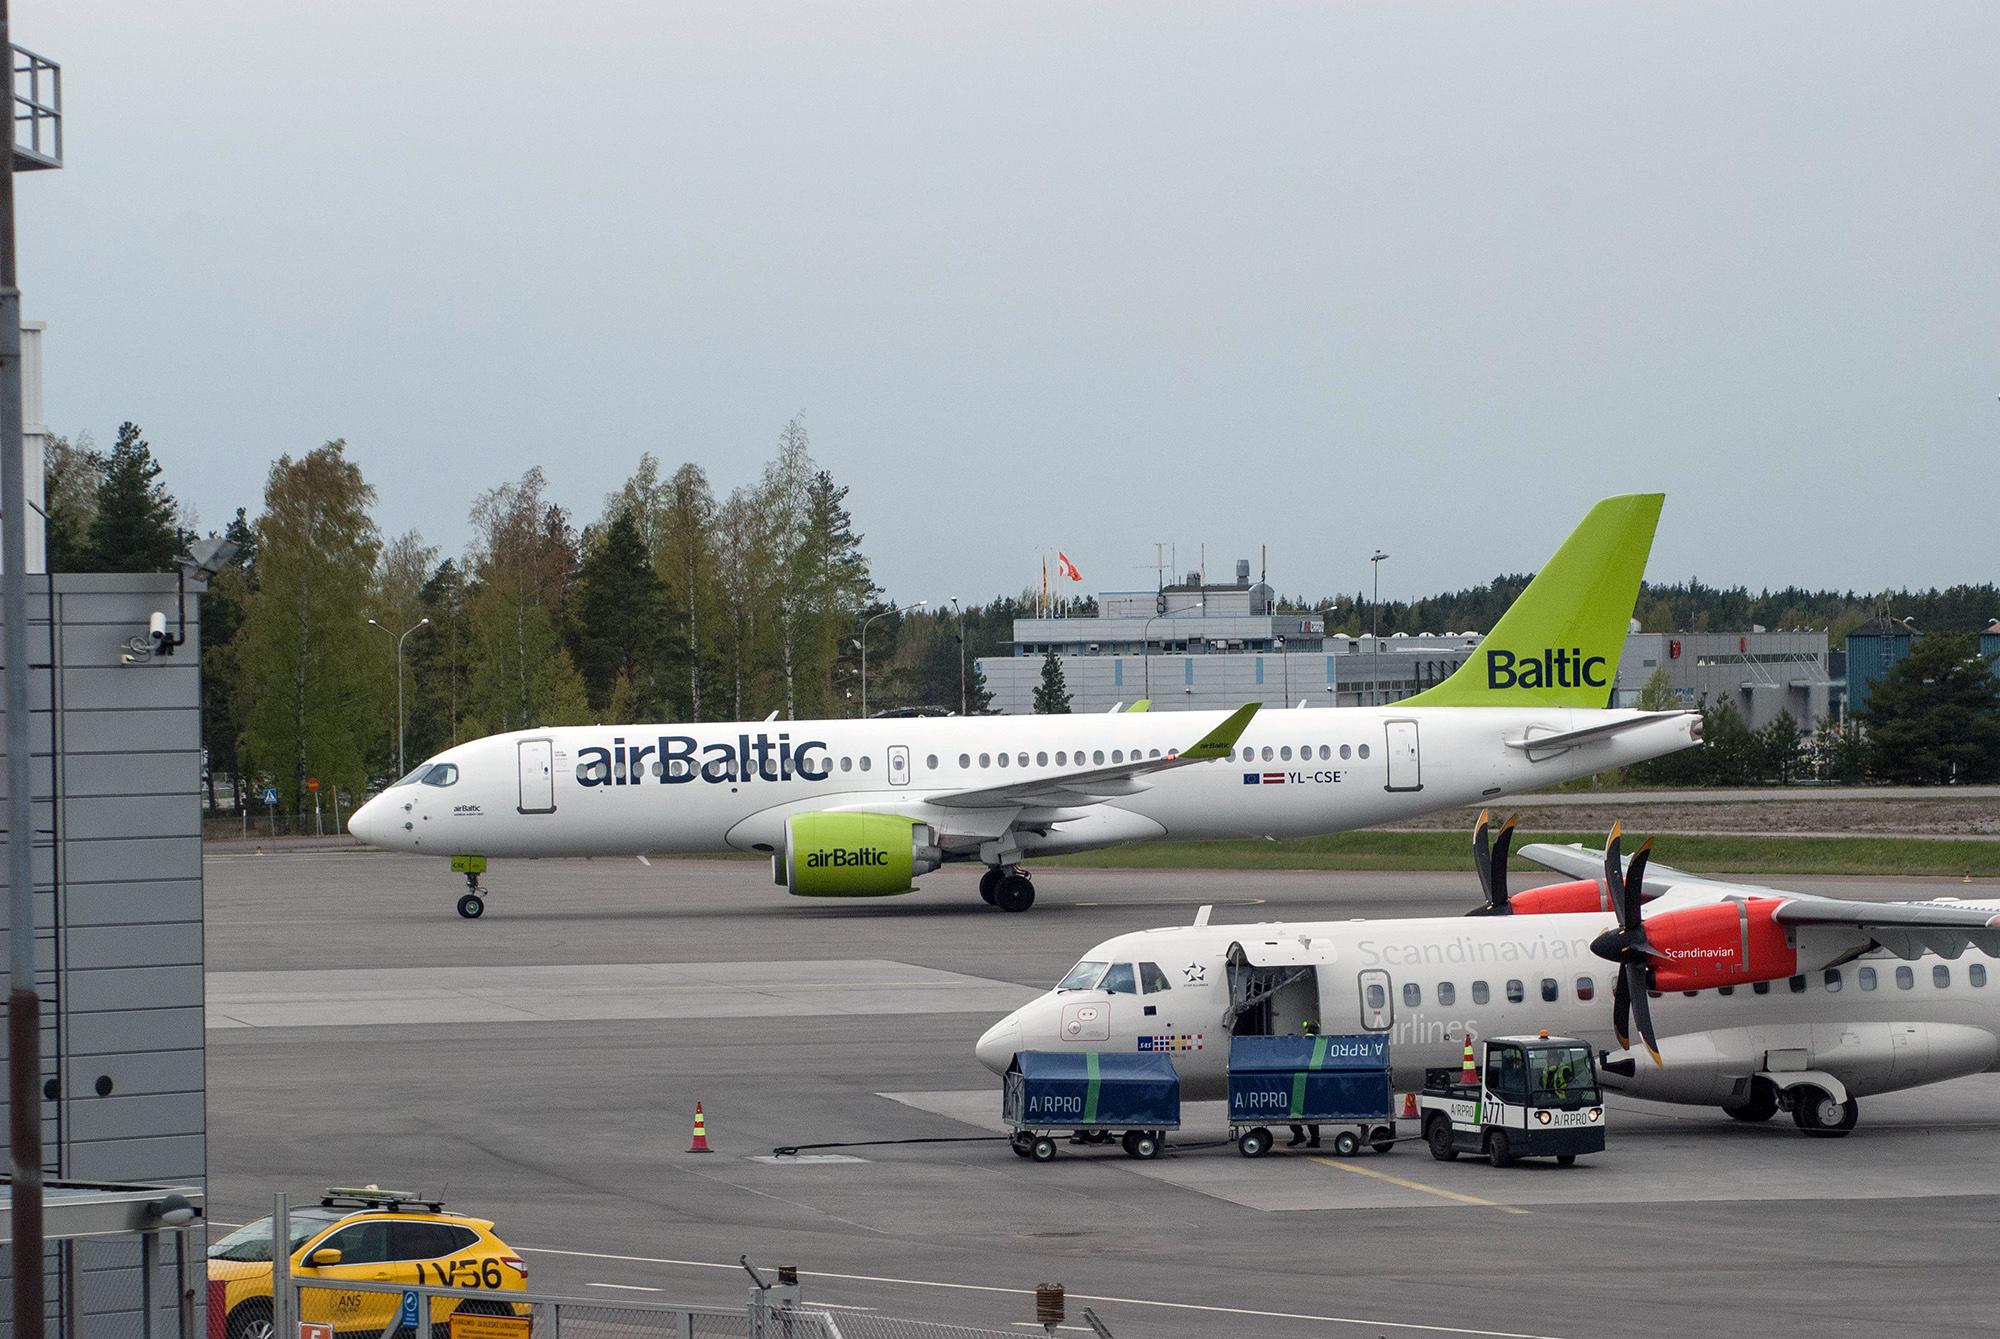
{"x": 1094, "y": 784}
{"x": 1906, "y": 929}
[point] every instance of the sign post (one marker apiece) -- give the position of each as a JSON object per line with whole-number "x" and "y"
{"x": 319, "y": 825}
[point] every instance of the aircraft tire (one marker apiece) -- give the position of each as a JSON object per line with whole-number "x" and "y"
{"x": 1014, "y": 892}
{"x": 1439, "y": 1138}
{"x": 989, "y": 881}
{"x": 1497, "y": 1151}
{"x": 1816, "y": 1113}
{"x": 1763, "y": 1103}
{"x": 471, "y": 906}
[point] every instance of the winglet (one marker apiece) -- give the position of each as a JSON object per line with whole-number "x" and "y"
{"x": 1143, "y": 704}
{"x": 1217, "y": 742}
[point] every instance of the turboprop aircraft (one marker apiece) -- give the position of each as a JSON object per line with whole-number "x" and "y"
{"x": 859, "y": 808}
{"x": 1748, "y": 998}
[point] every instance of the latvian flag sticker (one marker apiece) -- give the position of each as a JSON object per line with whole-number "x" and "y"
{"x": 1263, "y": 778}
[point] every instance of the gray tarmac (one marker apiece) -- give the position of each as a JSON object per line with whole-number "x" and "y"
{"x": 540, "y": 1066}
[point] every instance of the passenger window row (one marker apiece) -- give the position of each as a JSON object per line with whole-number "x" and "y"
{"x": 1585, "y": 989}
{"x": 1283, "y": 752}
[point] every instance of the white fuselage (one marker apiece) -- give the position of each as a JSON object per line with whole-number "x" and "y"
{"x": 641, "y": 789}
{"x": 1428, "y": 982}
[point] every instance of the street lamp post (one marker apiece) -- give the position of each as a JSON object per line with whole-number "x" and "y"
{"x": 1146, "y": 641}
{"x": 961, "y": 653}
{"x": 920, "y": 604}
{"x": 420, "y": 623}
{"x": 1375, "y": 625}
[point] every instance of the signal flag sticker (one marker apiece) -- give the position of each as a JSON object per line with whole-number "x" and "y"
{"x": 1264, "y": 778}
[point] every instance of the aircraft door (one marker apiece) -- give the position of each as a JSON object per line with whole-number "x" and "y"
{"x": 538, "y": 777}
{"x": 1405, "y": 767}
{"x": 1378, "y": 1006}
{"x": 899, "y": 765}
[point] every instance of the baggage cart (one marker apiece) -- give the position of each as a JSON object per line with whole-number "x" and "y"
{"x": 1134, "y": 1098}
{"x": 1319, "y": 1080}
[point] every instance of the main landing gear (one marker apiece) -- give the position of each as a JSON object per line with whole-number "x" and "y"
{"x": 1007, "y": 887}
{"x": 472, "y": 906}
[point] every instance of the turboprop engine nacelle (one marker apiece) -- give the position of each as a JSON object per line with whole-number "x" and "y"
{"x": 1728, "y": 944}
{"x": 854, "y": 855}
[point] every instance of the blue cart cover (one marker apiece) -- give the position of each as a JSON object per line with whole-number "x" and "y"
{"x": 1331, "y": 1078}
{"x": 1064, "y": 1089}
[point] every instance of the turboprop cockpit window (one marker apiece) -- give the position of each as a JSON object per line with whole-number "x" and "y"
{"x": 1082, "y": 976}
{"x": 443, "y": 774}
{"x": 1153, "y": 979}
{"x": 1119, "y": 981}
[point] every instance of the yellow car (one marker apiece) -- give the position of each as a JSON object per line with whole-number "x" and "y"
{"x": 367, "y": 1234}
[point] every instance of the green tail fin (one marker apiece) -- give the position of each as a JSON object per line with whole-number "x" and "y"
{"x": 1558, "y": 645}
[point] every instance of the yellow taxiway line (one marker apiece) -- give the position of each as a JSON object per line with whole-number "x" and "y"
{"x": 1342, "y": 1165}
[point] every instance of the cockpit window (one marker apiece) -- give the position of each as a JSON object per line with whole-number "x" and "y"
{"x": 1082, "y": 976}
{"x": 441, "y": 774}
{"x": 414, "y": 775}
{"x": 1118, "y": 981}
{"x": 1153, "y": 979}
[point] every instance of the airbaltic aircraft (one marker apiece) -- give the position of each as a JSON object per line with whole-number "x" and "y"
{"x": 1765, "y": 1000}
{"x": 858, "y": 808}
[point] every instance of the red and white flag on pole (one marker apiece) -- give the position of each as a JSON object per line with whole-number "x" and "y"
{"x": 1066, "y": 567}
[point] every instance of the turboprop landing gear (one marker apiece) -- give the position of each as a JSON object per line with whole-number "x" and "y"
{"x": 472, "y": 905}
{"x": 1816, "y": 1113}
{"x": 1014, "y": 891}
{"x": 989, "y": 883}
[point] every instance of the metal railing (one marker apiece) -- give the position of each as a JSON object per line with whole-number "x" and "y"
{"x": 37, "y": 111}
{"x": 355, "y": 1307}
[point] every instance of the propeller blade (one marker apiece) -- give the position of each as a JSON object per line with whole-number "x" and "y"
{"x": 1497, "y": 895}
{"x": 1621, "y": 1011}
{"x": 1614, "y": 875}
{"x": 1482, "y": 856}
{"x": 1635, "y": 875}
{"x": 1643, "y": 1012}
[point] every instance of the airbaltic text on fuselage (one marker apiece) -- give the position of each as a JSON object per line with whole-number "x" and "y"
{"x": 678, "y": 759}
{"x": 1562, "y": 667}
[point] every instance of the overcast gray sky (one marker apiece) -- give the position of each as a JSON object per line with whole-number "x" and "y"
{"x": 1326, "y": 277}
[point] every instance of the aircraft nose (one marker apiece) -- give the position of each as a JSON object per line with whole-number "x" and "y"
{"x": 366, "y": 823}
{"x": 996, "y": 1049}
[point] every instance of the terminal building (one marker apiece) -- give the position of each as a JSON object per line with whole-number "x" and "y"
{"x": 1202, "y": 646}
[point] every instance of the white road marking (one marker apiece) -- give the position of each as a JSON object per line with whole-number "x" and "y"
{"x": 1412, "y": 1326}
{"x": 625, "y": 1287}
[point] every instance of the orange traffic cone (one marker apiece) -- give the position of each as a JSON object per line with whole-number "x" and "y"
{"x": 1468, "y": 1072}
{"x": 700, "y": 1144}
{"x": 1409, "y": 1106}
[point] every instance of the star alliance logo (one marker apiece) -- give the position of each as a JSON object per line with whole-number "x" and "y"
{"x": 1197, "y": 975}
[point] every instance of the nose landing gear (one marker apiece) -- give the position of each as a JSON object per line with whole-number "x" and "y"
{"x": 471, "y": 905}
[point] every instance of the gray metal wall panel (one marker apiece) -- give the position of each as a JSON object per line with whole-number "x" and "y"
{"x": 133, "y": 731}
{"x": 87, "y": 774}
{"x": 154, "y": 944}
{"x": 145, "y": 1161}
{"x": 153, "y": 684}
{"x": 114, "y": 860}
{"x": 129, "y": 816}
{"x": 143, "y": 1116}
{"x": 134, "y": 903}
{"x": 134, "y": 1030}
{"x": 126, "y": 987}
{"x": 135, "y": 1073}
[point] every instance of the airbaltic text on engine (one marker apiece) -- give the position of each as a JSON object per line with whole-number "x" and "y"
{"x": 751, "y": 757}
{"x": 844, "y": 859}
{"x": 1558, "y": 668}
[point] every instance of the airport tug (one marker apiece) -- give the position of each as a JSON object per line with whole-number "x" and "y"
{"x": 1533, "y": 1097}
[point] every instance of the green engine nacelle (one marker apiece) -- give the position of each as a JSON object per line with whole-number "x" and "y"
{"x": 854, "y": 855}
